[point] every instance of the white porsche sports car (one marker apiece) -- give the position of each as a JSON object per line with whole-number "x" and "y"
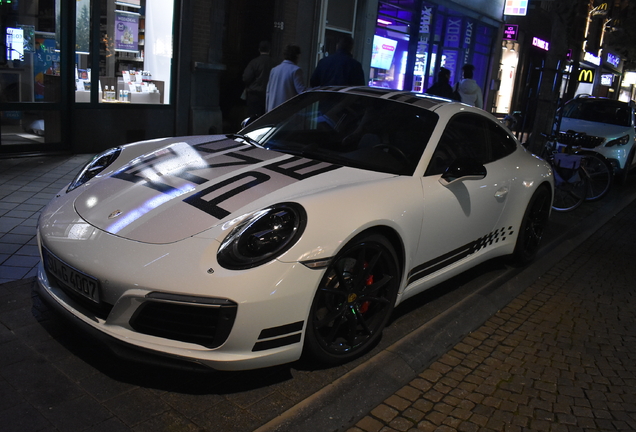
{"x": 298, "y": 235}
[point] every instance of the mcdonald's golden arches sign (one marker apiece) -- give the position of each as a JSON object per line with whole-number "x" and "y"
{"x": 586, "y": 75}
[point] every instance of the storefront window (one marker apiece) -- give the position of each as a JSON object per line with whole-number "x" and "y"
{"x": 445, "y": 38}
{"x": 29, "y": 72}
{"x": 390, "y": 46}
{"x": 507, "y": 74}
{"x": 82, "y": 50}
{"x": 135, "y": 52}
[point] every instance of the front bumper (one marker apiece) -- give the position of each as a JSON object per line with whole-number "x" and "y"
{"x": 178, "y": 310}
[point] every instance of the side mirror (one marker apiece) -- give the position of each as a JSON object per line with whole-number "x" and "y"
{"x": 247, "y": 121}
{"x": 463, "y": 169}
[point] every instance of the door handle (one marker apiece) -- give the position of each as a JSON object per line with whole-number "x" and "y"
{"x": 501, "y": 193}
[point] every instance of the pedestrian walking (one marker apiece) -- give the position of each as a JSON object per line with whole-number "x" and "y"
{"x": 256, "y": 77}
{"x": 442, "y": 87}
{"x": 339, "y": 68}
{"x": 285, "y": 80}
{"x": 468, "y": 89}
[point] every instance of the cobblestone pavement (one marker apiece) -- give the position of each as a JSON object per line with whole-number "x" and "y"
{"x": 560, "y": 357}
{"x": 555, "y": 358}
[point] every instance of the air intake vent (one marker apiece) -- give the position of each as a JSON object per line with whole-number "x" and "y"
{"x": 203, "y": 324}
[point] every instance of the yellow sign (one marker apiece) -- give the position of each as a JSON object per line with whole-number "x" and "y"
{"x": 601, "y": 9}
{"x": 586, "y": 75}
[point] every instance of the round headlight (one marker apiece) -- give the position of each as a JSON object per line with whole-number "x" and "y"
{"x": 263, "y": 236}
{"x": 98, "y": 164}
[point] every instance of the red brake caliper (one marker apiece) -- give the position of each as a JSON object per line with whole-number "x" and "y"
{"x": 365, "y": 306}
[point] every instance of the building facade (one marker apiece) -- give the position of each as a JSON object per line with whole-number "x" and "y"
{"x": 88, "y": 75}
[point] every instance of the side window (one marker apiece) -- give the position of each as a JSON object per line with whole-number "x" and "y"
{"x": 501, "y": 143}
{"x": 465, "y": 136}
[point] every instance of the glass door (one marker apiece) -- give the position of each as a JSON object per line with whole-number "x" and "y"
{"x": 30, "y": 64}
{"x": 338, "y": 17}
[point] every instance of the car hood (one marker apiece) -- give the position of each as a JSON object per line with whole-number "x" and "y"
{"x": 187, "y": 187}
{"x": 608, "y": 131}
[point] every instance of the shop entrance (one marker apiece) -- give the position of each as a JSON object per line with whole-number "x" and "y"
{"x": 337, "y": 18}
{"x": 413, "y": 39}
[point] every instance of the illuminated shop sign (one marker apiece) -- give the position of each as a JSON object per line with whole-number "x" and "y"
{"x": 586, "y": 75}
{"x": 510, "y": 32}
{"x": 516, "y": 7}
{"x": 540, "y": 43}
{"x": 607, "y": 79}
{"x": 614, "y": 60}
{"x": 15, "y": 44}
{"x": 591, "y": 58}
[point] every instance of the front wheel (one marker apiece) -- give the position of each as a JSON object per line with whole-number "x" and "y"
{"x": 354, "y": 301}
{"x": 533, "y": 225}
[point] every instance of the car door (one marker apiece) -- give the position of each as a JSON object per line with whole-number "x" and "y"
{"x": 462, "y": 217}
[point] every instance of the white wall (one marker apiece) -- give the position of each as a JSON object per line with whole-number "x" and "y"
{"x": 158, "y": 49}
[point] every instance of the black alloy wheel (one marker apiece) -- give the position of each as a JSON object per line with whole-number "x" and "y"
{"x": 354, "y": 301}
{"x": 533, "y": 225}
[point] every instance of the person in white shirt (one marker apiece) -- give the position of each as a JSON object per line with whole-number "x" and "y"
{"x": 285, "y": 80}
{"x": 468, "y": 89}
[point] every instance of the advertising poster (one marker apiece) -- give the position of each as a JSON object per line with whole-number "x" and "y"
{"x": 46, "y": 61}
{"x": 15, "y": 44}
{"x": 383, "y": 52}
{"x": 126, "y": 31}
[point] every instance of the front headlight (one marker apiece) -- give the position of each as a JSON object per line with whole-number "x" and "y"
{"x": 263, "y": 236}
{"x": 98, "y": 164}
{"x": 618, "y": 142}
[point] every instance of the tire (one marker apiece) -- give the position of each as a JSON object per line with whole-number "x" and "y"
{"x": 600, "y": 174}
{"x": 533, "y": 225}
{"x": 353, "y": 301}
{"x": 569, "y": 194}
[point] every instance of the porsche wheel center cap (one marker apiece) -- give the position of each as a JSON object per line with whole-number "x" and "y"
{"x": 352, "y": 297}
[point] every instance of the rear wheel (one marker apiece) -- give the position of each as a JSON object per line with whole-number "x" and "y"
{"x": 600, "y": 175}
{"x": 354, "y": 301}
{"x": 569, "y": 193}
{"x": 533, "y": 225}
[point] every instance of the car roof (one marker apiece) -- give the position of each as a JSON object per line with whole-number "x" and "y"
{"x": 594, "y": 99}
{"x": 419, "y": 99}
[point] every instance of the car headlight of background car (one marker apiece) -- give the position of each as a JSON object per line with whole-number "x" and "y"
{"x": 98, "y": 164}
{"x": 618, "y": 142}
{"x": 263, "y": 236}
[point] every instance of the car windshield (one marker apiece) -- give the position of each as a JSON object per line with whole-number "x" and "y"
{"x": 599, "y": 111}
{"x": 347, "y": 129}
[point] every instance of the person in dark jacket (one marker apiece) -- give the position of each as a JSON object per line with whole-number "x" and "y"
{"x": 339, "y": 68}
{"x": 442, "y": 87}
{"x": 255, "y": 77}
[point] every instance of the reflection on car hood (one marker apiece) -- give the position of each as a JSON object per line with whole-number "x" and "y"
{"x": 183, "y": 189}
{"x": 593, "y": 128}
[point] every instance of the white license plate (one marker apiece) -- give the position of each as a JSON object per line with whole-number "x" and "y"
{"x": 74, "y": 280}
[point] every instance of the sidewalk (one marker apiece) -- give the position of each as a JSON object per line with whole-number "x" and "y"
{"x": 560, "y": 357}
{"x": 26, "y": 185}
{"x": 557, "y": 349}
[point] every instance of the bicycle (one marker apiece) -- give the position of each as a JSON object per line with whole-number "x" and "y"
{"x": 596, "y": 166}
{"x": 578, "y": 175}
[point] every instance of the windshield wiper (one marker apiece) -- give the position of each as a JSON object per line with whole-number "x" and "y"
{"x": 246, "y": 139}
